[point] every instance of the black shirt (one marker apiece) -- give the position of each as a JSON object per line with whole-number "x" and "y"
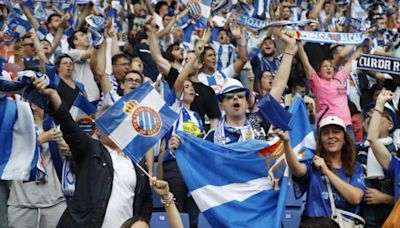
{"x": 317, "y": 52}
{"x": 67, "y": 94}
{"x": 205, "y": 102}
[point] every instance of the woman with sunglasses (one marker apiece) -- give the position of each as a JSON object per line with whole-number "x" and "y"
{"x": 335, "y": 160}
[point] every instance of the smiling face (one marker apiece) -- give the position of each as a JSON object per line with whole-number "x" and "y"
{"x": 332, "y": 138}
{"x": 235, "y": 104}
{"x": 326, "y": 70}
{"x": 268, "y": 48}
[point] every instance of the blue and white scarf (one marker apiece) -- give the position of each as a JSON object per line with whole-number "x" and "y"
{"x": 225, "y": 133}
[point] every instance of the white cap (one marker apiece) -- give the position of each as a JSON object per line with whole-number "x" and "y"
{"x": 332, "y": 120}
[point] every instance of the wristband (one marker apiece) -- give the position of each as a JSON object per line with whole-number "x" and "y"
{"x": 168, "y": 201}
{"x": 288, "y": 53}
{"x": 380, "y": 112}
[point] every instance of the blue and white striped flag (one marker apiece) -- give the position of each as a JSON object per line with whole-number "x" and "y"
{"x": 200, "y": 10}
{"x": 18, "y": 151}
{"x": 302, "y": 134}
{"x": 16, "y": 28}
{"x": 137, "y": 121}
{"x": 82, "y": 111}
{"x": 234, "y": 185}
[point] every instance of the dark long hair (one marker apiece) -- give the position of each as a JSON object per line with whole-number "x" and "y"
{"x": 348, "y": 154}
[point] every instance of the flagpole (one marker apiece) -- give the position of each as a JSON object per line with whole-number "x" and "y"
{"x": 142, "y": 169}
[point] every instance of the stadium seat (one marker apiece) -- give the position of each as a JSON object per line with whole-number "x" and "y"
{"x": 203, "y": 223}
{"x": 160, "y": 220}
{"x": 157, "y": 205}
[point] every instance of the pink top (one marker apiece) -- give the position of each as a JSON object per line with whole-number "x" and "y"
{"x": 333, "y": 94}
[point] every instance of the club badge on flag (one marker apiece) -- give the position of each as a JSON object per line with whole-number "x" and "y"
{"x": 137, "y": 121}
{"x": 200, "y": 10}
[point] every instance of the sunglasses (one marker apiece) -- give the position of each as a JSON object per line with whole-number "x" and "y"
{"x": 240, "y": 95}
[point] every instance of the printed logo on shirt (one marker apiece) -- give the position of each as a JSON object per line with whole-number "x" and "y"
{"x": 217, "y": 88}
{"x": 191, "y": 128}
{"x": 341, "y": 91}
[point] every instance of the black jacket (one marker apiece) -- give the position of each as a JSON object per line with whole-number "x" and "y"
{"x": 94, "y": 177}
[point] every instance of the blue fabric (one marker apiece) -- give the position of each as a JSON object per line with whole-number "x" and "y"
{"x": 274, "y": 112}
{"x": 8, "y": 114}
{"x": 149, "y": 127}
{"x": 317, "y": 203}
{"x": 203, "y": 163}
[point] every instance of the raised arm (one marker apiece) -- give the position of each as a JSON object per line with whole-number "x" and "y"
{"x": 237, "y": 33}
{"x": 317, "y": 9}
{"x": 308, "y": 69}
{"x": 282, "y": 76}
{"x": 184, "y": 75}
{"x": 298, "y": 169}
{"x": 34, "y": 22}
{"x": 85, "y": 12}
{"x": 348, "y": 66}
{"x": 43, "y": 60}
{"x": 381, "y": 153}
{"x": 162, "y": 63}
{"x": 162, "y": 188}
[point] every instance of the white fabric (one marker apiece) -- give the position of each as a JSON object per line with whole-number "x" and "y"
{"x": 219, "y": 76}
{"x": 120, "y": 204}
{"x": 211, "y": 196}
{"x": 374, "y": 169}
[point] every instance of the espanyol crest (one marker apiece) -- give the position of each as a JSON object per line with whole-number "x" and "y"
{"x": 145, "y": 120}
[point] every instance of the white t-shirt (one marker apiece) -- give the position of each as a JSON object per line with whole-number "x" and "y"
{"x": 83, "y": 74}
{"x": 120, "y": 204}
{"x": 216, "y": 80}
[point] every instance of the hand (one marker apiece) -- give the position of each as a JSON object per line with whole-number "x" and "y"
{"x": 284, "y": 135}
{"x": 112, "y": 31}
{"x": 320, "y": 164}
{"x": 199, "y": 48}
{"x": 161, "y": 187}
{"x": 174, "y": 142}
{"x": 41, "y": 86}
{"x": 373, "y": 196}
{"x": 149, "y": 23}
{"x": 290, "y": 41}
{"x": 64, "y": 21}
{"x": 236, "y": 32}
{"x": 384, "y": 96}
{"x": 47, "y": 136}
{"x": 64, "y": 148}
{"x": 250, "y": 75}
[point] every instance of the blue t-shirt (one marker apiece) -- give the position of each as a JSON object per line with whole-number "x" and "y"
{"x": 394, "y": 173}
{"x": 314, "y": 184}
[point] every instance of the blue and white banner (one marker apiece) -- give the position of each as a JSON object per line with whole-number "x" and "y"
{"x": 302, "y": 135}
{"x": 330, "y": 37}
{"x": 16, "y": 28}
{"x": 234, "y": 185}
{"x": 258, "y": 24}
{"x": 377, "y": 63}
{"x": 137, "y": 121}
{"x": 18, "y": 151}
{"x": 23, "y": 85}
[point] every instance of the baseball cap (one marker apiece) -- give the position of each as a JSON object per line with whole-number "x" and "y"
{"x": 332, "y": 120}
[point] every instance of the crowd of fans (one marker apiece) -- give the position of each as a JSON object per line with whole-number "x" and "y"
{"x": 218, "y": 72}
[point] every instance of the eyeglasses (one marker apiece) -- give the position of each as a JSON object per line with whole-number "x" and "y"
{"x": 131, "y": 80}
{"x": 30, "y": 44}
{"x": 240, "y": 95}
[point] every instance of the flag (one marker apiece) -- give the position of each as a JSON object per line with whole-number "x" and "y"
{"x": 18, "y": 151}
{"x": 272, "y": 111}
{"x": 82, "y": 111}
{"x": 200, "y": 10}
{"x": 16, "y": 28}
{"x": 137, "y": 121}
{"x": 234, "y": 185}
{"x": 302, "y": 134}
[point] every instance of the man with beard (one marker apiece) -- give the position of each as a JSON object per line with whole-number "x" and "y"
{"x": 266, "y": 60}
